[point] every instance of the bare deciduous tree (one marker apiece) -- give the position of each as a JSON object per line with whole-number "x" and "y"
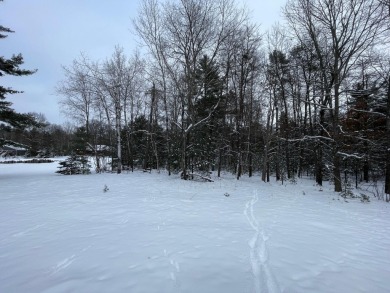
{"x": 77, "y": 92}
{"x": 178, "y": 34}
{"x": 340, "y": 31}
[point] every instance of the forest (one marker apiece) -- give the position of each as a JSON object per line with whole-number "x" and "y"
{"x": 209, "y": 91}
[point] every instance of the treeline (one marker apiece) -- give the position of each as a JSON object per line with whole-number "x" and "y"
{"x": 43, "y": 140}
{"x": 211, "y": 92}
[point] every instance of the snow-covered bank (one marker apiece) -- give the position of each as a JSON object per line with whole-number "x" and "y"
{"x": 155, "y": 233}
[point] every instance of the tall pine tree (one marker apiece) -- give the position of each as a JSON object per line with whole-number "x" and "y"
{"x": 207, "y": 106}
{"x": 11, "y": 66}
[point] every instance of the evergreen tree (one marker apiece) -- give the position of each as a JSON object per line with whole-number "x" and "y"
{"x": 139, "y": 140}
{"x": 80, "y": 141}
{"x": 11, "y": 66}
{"x": 279, "y": 76}
{"x": 74, "y": 165}
{"x": 77, "y": 162}
{"x": 209, "y": 105}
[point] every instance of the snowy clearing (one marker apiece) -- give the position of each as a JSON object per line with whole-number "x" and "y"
{"x": 155, "y": 233}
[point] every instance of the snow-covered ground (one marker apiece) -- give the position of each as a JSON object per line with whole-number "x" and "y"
{"x": 155, "y": 233}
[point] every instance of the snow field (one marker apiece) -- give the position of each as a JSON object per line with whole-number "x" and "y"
{"x": 155, "y": 233}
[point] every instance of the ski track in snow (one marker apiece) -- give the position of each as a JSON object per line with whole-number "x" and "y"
{"x": 27, "y": 231}
{"x": 264, "y": 281}
{"x": 63, "y": 264}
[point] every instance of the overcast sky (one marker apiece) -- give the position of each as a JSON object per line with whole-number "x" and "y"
{"x": 52, "y": 33}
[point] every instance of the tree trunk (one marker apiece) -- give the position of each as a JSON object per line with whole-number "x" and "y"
{"x": 219, "y": 162}
{"x": 268, "y": 171}
{"x": 184, "y": 158}
{"x": 337, "y": 173}
{"x": 118, "y": 140}
{"x": 366, "y": 170}
{"x": 337, "y": 136}
{"x": 387, "y": 145}
{"x": 265, "y": 163}
{"x": 318, "y": 166}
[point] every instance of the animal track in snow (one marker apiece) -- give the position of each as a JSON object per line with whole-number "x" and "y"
{"x": 176, "y": 265}
{"x": 264, "y": 281}
{"x": 22, "y": 233}
{"x": 63, "y": 264}
{"x": 175, "y": 269}
{"x": 66, "y": 262}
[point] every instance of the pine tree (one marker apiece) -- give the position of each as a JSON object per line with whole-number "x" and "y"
{"x": 209, "y": 105}
{"x": 12, "y": 67}
{"x": 74, "y": 165}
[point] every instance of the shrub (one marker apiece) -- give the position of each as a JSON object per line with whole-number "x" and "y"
{"x": 73, "y": 165}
